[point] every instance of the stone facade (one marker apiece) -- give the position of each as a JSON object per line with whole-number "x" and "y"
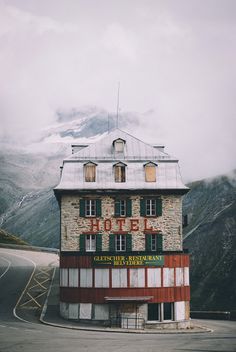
{"x": 169, "y": 224}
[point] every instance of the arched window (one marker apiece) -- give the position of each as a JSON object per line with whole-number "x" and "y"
{"x": 119, "y": 172}
{"x": 90, "y": 172}
{"x": 150, "y": 172}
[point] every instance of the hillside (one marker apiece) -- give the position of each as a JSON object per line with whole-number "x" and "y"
{"x": 211, "y": 240}
{"x": 7, "y": 238}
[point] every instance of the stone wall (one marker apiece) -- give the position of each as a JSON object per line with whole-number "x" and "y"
{"x": 169, "y": 224}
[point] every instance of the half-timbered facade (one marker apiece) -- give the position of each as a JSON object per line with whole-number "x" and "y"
{"x": 122, "y": 260}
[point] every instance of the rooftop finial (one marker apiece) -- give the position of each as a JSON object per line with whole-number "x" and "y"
{"x": 118, "y": 101}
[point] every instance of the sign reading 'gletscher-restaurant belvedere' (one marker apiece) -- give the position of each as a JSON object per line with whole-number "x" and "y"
{"x": 126, "y": 260}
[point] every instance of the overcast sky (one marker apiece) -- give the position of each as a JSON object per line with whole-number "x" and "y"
{"x": 175, "y": 61}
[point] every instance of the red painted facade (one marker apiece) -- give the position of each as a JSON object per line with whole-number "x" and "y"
{"x": 97, "y": 295}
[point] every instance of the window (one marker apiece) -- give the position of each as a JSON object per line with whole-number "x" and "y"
{"x": 151, "y": 207}
{"x": 86, "y": 277}
{"x": 154, "y": 242}
{"x": 123, "y": 207}
{"x": 154, "y": 277}
{"x": 63, "y": 277}
{"x": 119, "y": 145}
{"x": 154, "y": 311}
{"x": 119, "y": 277}
{"x": 90, "y": 243}
{"x": 137, "y": 277}
{"x": 168, "y": 311}
{"x": 90, "y": 172}
{"x": 119, "y": 170}
{"x": 150, "y": 172}
{"x": 168, "y": 277}
{"x": 120, "y": 243}
{"x": 101, "y": 278}
{"x": 73, "y": 277}
{"x": 90, "y": 207}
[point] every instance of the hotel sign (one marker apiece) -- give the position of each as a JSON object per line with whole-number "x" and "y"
{"x": 128, "y": 260}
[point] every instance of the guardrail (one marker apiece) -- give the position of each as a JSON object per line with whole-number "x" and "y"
{"x": 216, "y": 315}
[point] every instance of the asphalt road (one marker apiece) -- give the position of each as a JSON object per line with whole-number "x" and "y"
{"x": 16, "y": 335}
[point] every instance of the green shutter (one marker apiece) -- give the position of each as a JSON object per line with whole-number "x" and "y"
{"x": 142, "y": 207}
{"x": 82, "y": 243}
{"x": 129, "y": 243}
{"x": 159, "y": 206}
{"x": 129, "y": 207}
{"x": 148, "y": 239}
{"x": 112, "y": 243}
{"x": 82, "y": 208}
{"x": 98, "y": 208}
{"x": 117, "y": 208}
{"x": 160, "y": 243}
{"x": 98, "y": 242}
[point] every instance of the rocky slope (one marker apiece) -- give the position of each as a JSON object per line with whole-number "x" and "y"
{"x": 211, "y": 240}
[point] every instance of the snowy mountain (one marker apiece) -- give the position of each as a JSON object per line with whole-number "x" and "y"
{"x": 28, "y": 207}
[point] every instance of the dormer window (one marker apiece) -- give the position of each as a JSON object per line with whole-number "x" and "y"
{"x": 119, "y": 145}
{"x": 119, "y": 172}
{"x": 90, "y": 172}
{"x": 150, "y": 172}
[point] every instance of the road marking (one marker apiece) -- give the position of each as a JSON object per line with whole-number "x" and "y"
{"x": 13, "y": 327}
{"x": 34, "y": 268}
{"x": 2, "y": 326}
{"x": 9, "y": 263}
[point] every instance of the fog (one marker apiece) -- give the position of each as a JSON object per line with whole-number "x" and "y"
{"x": 175, "y": 61}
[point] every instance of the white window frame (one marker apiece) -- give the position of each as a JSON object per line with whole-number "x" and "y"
{"x": 122, "y": 206}
{"x": 153, "y": 242}
{"x": 150, "y": 206}
{"x": 120, "y": 243}
{"x": 90, "y": 207}
{"x": 90, "y": 243}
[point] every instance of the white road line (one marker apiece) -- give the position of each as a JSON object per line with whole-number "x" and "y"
{"x": 9, "y": 263}
{"x": 2, "y": 326}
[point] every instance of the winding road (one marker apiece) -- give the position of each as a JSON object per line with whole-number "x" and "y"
{"x": 19, "y": 334}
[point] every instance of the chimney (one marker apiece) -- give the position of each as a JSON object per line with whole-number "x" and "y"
{"x": 159, "y": 147}
{"x": 77, "y": 147}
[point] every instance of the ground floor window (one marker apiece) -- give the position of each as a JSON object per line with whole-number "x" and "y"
{"x": 154, "y": 311}
{"x": 161, "y": 311}
{"x": 168, "y": 310}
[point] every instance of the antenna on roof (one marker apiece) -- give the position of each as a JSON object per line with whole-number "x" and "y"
{"x": 118, "y": 101}
{"x": 108, "y": 122}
